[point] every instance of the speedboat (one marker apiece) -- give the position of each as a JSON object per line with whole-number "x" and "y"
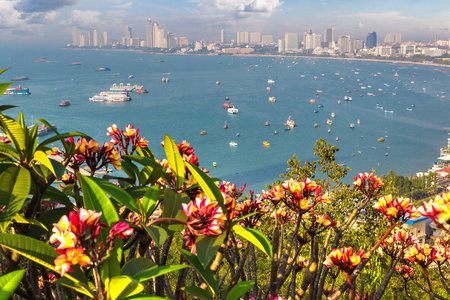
{"x": 352, "y": 125}
{"x": 266, "y": 144}
{"x": 267, "y": 123}
{"x": 232, "y": 110}
{"x": 272, "y": 99}
{"x": 333, "y": 115}
{"x": 64, "y": 103}
{"x": 203, "y": 132}
{"x": 233, "y": 144}
{"x": 329, "y": 122}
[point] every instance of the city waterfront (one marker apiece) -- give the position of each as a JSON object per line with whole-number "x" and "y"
{"x": 191, "y": 102}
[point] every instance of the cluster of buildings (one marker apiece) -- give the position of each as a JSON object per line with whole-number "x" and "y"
{"x": 156, "y": 37}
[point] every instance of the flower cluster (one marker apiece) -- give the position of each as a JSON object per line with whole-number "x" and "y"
{"x": 301, "y": 261}
{"x": 298, "y": 196}
{"x": 423, "y": 255}
{"x": 345, "y": 259}
{"x": 368, "y": 183}
{"x": 51, "y": 279}
{"x": 396, "y": 209}
{"x": 230, "y": 195}
{"x": 437, "y": 209}
{"x": 405, "y": 271}
{"x": 124, "y": 139}
{"x": 393, "y": 245}
{"x": 249, "y": 206}
{"x": 75, "y": 235}
{"x": 5, "y": 140}
{"x": 316, "y": 223}
{"x": 239, "y": 244}
{"x": 205, "y": 217}
{"x": 283, "y": 215}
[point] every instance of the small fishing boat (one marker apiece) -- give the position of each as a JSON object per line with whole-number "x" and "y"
{"x": 214, "y": 164}
{"x": 272, "y": 99}
{"x": 352, "y": 125}
{"x": 267, "y": 123}
{"x": 333, "y": 114}
{"x": 130, "y": 76}
{"x": 266, "y": 144}
{"x": 268, "y": 89}
{"x": 238, "y": 134}
{"x": 275, "y": 132}
{"x": 316, "y": 111}
{"x": 217, "y": 82}
{"x": 329, "y": 122}
{"x": 203, "y": 132}
{"x": 64, "y": 103}
{"x": 337, "y": 138}
{"x": 225, "y": 126}
{"x": 233, "y": 144}
{"x": 339, "y": 102}
{"x": 312, "y": 101}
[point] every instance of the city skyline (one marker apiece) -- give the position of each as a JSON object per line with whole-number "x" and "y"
{"x": 31, "y": 21}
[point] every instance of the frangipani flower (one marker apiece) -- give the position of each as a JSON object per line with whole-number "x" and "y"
{"x": 345, "y": 259}
{"x": 396, "y": 209}
{"x": 437, "y": 209}
{"x": 71, "y": 257}
{"x": 368, "y": 183}
{"x": 125, "y": 138}
{"x": 250, "y": 206}
{"x": 121, "y": 230}
{"x": 404, "y": 271}
{"x": 421, "y": 254}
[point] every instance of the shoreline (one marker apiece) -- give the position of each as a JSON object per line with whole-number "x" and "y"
{"x": 273, "y": 55}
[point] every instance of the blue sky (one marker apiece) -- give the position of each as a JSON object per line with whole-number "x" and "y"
{"x": 51, "y": 21}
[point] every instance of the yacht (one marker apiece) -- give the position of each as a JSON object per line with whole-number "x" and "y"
{"x": 111, "y": 97}
{"x": 232, "y": 110}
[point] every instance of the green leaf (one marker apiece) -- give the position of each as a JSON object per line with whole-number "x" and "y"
{"x": 206, "y": 274}
{"x": 137, "y": 265}
{"x": 158, "y": 234}
{"x": 15, "y": 184}
{"x": 175, "y": 160}
{"x": 155, "y": 272}
{"x": 42, "y": 254}
{"x": 64, "y": 281}
{"x": 109, "y": 268}
{"x": 48, "y": 125}
{"x": 14, "y": 131}
{"x": 9, "y": 283}
{"x": 171, "y": 207}
{"x": 60, "y": 137}
{"x": 145, "y": 297}
{"x": 96, "y": 199}
{"x": 130, "y": 170}
{"x": 120, "y": 195}
{"x": 145, "y": 152}
{"x": 121, "y": 287}
{"x": 149, "y": 201}
{"x": 137, "y": 192}
{"x": 41, "y": 157}
{"x": 239, "y": 290}
{"x": 21, "y": 220}
{"x": 148, "y": 162}
{"x": 6, "y": 107}
{"x": 57, "y": 196}
{"x": 207, "y": 184}
{"x": 9, "y": 151}
{"x": 4, "y": 70}
{"x": 4, "y": 87}
{"x": 207, "y": 247}
{"x": 198, "y": 292}
{"x": 255, "y": 237}
{"x": 118, "y": 178}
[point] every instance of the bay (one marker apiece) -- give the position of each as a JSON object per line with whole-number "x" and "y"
{"x": 192, "y": 102}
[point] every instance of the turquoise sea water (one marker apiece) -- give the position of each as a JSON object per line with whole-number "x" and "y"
{"x": 192, "y": 102}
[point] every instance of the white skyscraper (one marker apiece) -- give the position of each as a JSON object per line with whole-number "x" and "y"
{"x": 149, "y": 34}
{"x": 223, "y": 38}
{"x": 393, "y": 38}
{"x": 97, "y": 39}
{"x": 75, "y": 36}
{"x": 128, "y": 35}
{"x": 312, "y": 41}
{"x": 242, "y": 37}
{"x": 281, "y": 46}
{"x": 291, "y": 40}
{"x": 105, "y": 38}
{"x": 255, "y": 38}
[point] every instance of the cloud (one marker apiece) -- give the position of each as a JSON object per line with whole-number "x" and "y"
{"x": 389, "y": 15}
{"x": 125, "y": 5}
{"x": 13, "y": 19}
{"x": 242, "y": 8}
{"x": 85, "y": 19}
{"x": 31, "y": 6}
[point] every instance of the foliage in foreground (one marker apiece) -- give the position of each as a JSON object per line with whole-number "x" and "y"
{"x": 166, "y": 229}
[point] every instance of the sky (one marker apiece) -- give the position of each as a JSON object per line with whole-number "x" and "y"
{"x": 51, "y": 21}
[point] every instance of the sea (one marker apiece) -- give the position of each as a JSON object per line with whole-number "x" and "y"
{"x": 191, "y": 102}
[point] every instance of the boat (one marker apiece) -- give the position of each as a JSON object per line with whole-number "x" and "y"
{"x": 164, "y": 79}
{"x": 267, "y": 123}
{"x": 123, "y": 88}
{"x": 358, "y": 122}
{"x": 339, "y": 101}
{"x": 329, "y": 122}
{"x": 316, "y": 111}
{"x": 329, "y": 130}
{"x": 232, "y": 110}
{"x": 275, "y": 132}
{"x": 290, "y": 123}
{"x": 111, "y": 97}
{"x": 413, "y": 105}
{"x": 203, "y": 132}
{"x": 272, "y": 99}
{"x": 75, "y": 63}
{"x": 312, "y": 101}
{"x": 333, "y": 114}
{"x": 238, "y": 134}
{"x": 17, "y": 91}
{"x": 388, "y": 111}
{"x": 409, "y": 109}
{"x": 268, "y": 89}
{"x": 130, "y": 76}
{"x": 103, "y": 69}
{"x": 64, "y": 103}
{"x": 396, "y": 74}
{"x": 20, "y": 78}
{"x": 270, "y": 81}
{"x": 42, "y": 59}
{"x": 381, "y": 139}
{"x": 352, "y": 125}
{"x": 225, "y": 126}
{"x": 337, "y": 138}
{"x": 266, "y": 144}
{"x": 227, "y": 104}
{"x": 217, "y": 82}
{"x": 233, "y": 144}
{"x": 160, "y": 61}
{"x": 315, "y": 125}
{"x": 214, "y": 164}
{"x": 320, "y": 106}
{"x": 42, "y": 130}
{"x": 141, "y": 91}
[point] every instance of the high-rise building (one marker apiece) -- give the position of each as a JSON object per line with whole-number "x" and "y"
{"x": 307, "y": 31}
{"x": 344, "y": 44}
{"x": 128, "y": 35}
{"x": 281, "y": 46}
{"x": 312, "y": 41}
{"x": 75, "y": 36}
{"x": 198, "y": 46}
{"x": 159, "y": 36}
{"x": 90, "y": 39}
{"x": 97, "y": 39}
{"x": 383, "y": 51}
{"x": 149, "y": 33}
{"x": 267, "y": 39}
{"x": 291, "y": 41}
{"x": 84, "y": 41}
{"x": 393, "y": 38}
{"x": 242, "y": 37}
{"x": 183, "y": 41}
{"x": 223, "y": 37}
{"x": 371, "y": 40}
{"x": 407, "y": 50}
{"x": 255, "y": 38}
{"x": 105, "y": 38}
{"x": 328, "y": 35}
{"x": 170, "y": 40}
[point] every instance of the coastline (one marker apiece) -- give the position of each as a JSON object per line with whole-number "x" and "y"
{"x": 273, "y": 55}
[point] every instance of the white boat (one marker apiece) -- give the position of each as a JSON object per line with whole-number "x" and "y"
{"x": 125, "y": 88}
{"x": 290, "y": 123}
{"x": 233, "y": 144}
{"x": 329, "y": 122}
{"x": 333, "y": 115}
{"x": 111, "y": 97}
{"x": 232, "y": 110}
{"x": 270, "y": 81}
{"x": 272, "y": 99}
{"x": 352, "y": 125}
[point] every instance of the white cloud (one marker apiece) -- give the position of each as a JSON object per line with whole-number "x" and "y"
{"x": 13, "y": 19}
{"x": 242, "y": 8}
{"x": 389, "y": 15}
{"x": 85, "y": 19}
{"x": 124, "y": 5}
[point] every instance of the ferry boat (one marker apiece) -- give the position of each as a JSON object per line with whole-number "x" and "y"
{"x": 232, "y": 110}
{"x": 111, "y": 97}
{"x": 272, "y": 99}
{"x": 126, "y": 88}
{"x": 17, "y": 91}
{"x": 64, "y": 103}
{"x": 290, "y": 123}
{"x": 20, "y": 78}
